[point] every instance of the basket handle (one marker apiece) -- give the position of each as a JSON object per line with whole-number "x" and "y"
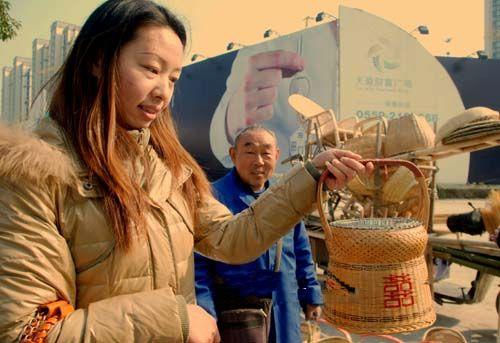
{"x": 422, "y": 215}
{"x": 389, "y": 338}
{"x": 347, "y": 335}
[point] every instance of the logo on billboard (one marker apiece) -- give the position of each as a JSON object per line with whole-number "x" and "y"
{"x": 383, "y": 55}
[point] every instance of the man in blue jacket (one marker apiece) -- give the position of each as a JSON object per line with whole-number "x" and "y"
{"x": 294, "y": 285}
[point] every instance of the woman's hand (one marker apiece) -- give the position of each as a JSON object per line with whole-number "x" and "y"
{"x": 202, "y": 326}
{"x": 343, "y": 166}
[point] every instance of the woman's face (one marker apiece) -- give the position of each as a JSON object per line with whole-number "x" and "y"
{"x": 148, "y": 67}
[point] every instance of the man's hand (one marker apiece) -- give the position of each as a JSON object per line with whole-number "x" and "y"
{"x": 253, "y": 101}
{"x": 202, "y": 326}
{"x": 342, "y": 164}
{"x": 312, "y": 312}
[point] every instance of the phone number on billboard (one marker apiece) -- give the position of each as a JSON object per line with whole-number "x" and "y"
{"x": 430, "y": 117}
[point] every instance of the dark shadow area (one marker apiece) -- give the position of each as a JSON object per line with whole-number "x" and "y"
{"x": 446, "y": 321}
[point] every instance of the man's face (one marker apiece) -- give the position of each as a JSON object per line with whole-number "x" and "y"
{"x": 255, "y": 157}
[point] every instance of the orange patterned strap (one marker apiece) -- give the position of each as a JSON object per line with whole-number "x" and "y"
{"x": 45, "y": 318}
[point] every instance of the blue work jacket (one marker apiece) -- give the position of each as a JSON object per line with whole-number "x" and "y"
{"x": 294, "y": 286}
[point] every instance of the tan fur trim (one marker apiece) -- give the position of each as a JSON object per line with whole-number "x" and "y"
{"x": 25, "y": 157}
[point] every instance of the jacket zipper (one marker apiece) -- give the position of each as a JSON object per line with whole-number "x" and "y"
{"x": 167, "y": 232}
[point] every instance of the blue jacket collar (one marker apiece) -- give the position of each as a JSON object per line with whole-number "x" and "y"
{"x": 241, "y": 189}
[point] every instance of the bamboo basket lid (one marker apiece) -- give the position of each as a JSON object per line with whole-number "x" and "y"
{"x": 470, "y": 115}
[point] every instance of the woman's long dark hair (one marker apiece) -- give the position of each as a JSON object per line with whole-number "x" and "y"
{"x": 85, "y": 106}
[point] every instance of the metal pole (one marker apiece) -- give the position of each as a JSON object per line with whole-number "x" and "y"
{"x": 432, "y": 192}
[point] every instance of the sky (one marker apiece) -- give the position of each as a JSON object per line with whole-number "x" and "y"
{"x": 214, "y": 23}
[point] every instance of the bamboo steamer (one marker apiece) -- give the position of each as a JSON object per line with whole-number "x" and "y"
{"x": 377, "y": 278}
{"x": 364, "y": 143}
{"x": 408, "y": 133}
{"x": 398, "y": 186}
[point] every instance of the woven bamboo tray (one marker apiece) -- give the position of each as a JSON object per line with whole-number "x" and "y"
{"x": 448, "y": 150}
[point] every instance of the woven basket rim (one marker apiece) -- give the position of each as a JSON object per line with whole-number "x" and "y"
{"x": 389, "y": 224}
{"x": 449, "y": 333}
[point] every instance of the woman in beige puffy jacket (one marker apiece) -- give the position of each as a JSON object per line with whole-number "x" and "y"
{"x": 102, "y": 207}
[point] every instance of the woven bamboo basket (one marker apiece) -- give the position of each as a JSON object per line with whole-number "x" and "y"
{"x": 408, "y": 133}
{"x": 442, "y": 334}
{"x": 363, "y": 143}
{"x": 377, "y": 278}
{"x": 398, "y": 185}
{"x": 363, "y": 185}
{"x": 311, "y": 333}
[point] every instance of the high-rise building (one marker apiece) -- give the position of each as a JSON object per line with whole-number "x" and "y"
{"x": 40, "y": 65}
{"x": 22, "y": 83}
{"x": 21, "y": 89}
{"x": 62, "y": 36}
{"x": 6, "y": 94}
{"x": 492, "y": 28}
{"x": 56, "y": 46}
{"x": 70, "y": 32}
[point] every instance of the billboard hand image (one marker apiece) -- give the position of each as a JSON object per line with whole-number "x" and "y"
{"x": 252, "y": 103}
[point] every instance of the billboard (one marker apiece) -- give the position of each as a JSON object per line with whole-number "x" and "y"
{"x": 385, "y": 71}
{"x": 217, "y": 97}
{"x": 358, "y": 66}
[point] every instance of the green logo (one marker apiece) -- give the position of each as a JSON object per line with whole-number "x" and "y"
{"x": 383, "y": 55}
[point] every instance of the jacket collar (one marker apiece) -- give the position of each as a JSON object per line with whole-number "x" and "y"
{"x": 49, "y": 131}
{"x": 241, "y": 189}
{"x": 162, "y": 185}
{"x": 24, "y": 157}
{"x": 141, "y": 136}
